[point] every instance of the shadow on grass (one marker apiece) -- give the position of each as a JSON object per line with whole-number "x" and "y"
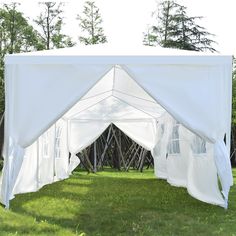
{"x": 113, "y": 205}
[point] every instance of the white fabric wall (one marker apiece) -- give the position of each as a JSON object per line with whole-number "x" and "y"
{"x": 202, "y": 180}
{"x": 37, "y": 96}
{"x": 142, "y": 132}
{"x": 159, "y": 152}
{"x": 196, "y": 172}
{"x": 195, "y": 94}
{"x": 177, "y": 163}
{"x": 81, "y": 135}
{"x": 37, "y": 169}
{"x": 46, "y": 160}
{"x": 61, "y": 159}
{"x": 54, "y": 89}
{"x": 27, "y": 180}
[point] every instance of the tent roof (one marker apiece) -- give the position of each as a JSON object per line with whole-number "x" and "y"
{"x": 108, "y": 53}
{"x": 116, "y": 96}
{"x": 111, "y": 109}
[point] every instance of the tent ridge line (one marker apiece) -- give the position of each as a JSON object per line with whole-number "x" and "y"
{"x": 71, "y": 117}
{"x": 118, "y": 91}
{"x": 135, "y": 107}
{"x": 96, "y": 95}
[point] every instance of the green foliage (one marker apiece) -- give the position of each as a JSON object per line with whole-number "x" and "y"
{"x": 17, "y": 35}
{"x": 149, "y": 39}
{"x": 115, "y": 203}
{"x": 175, "y": 29}
{"x": 90, "y": 23}
{"x": 50, "y": 22}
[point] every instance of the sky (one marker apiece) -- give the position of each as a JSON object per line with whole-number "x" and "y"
{"x": 124, "y": 21}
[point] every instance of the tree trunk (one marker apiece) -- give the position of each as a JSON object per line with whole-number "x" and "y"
{"x": 48, "y": 27}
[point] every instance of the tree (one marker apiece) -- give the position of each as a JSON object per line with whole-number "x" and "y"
{"x": 149, "y": 39}
{"x": 50, "y": 22}
{"x": 190, "y": 35}
{"x": 162, "y": 33}
{"x": 16, "y": 34}
{"x": 90, "y": 23}
{"x": 234, "y": 69}
{"x": 175, "y": 29}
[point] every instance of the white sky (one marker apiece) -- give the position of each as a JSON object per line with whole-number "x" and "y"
{"x": 124, "y": 21}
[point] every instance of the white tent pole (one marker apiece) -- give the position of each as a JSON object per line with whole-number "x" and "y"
{"x": 67, "y": 140}
{"x": 88, "y": 107}
{"x": 134, "y": 106}
{"x": 7, "y": 198}
{"x": 37, "y": 164}
{"x": 130, "y": 95}
{"x": 113, "y": 79}
{"x": 54, "y": 152}
{"x": 8, "y": 84}
{"x": 97, "y": 95}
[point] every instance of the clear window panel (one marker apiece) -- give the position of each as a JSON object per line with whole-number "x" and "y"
{"x": 198, "y": 145}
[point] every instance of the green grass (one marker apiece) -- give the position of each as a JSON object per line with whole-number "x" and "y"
{"x": 115, "y": 203}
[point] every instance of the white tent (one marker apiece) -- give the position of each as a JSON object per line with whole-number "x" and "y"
{"x": 177, "y": 104}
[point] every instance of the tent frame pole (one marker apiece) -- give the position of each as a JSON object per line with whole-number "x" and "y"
{"x": 95, "y": 157}
{"x": 37, "y": 171}
{"x": 119, "y": 148}
{"x": 54, "y": 152}
{"x": 108, "y": 140}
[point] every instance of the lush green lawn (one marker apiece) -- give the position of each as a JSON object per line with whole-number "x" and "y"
{"x": 114, "y": 203}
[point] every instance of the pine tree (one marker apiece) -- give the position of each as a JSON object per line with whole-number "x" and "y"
{"x": 175, "y": 29}
{"x": 50, "y": 22}
{"x": 90, "y": 23}
{"x": 190, "y": 35}
{"x": 149, "y": 39}
{"x": 163, "y": 33}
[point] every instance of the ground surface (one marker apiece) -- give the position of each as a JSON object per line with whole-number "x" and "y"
{"x": 113, "y": 203}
